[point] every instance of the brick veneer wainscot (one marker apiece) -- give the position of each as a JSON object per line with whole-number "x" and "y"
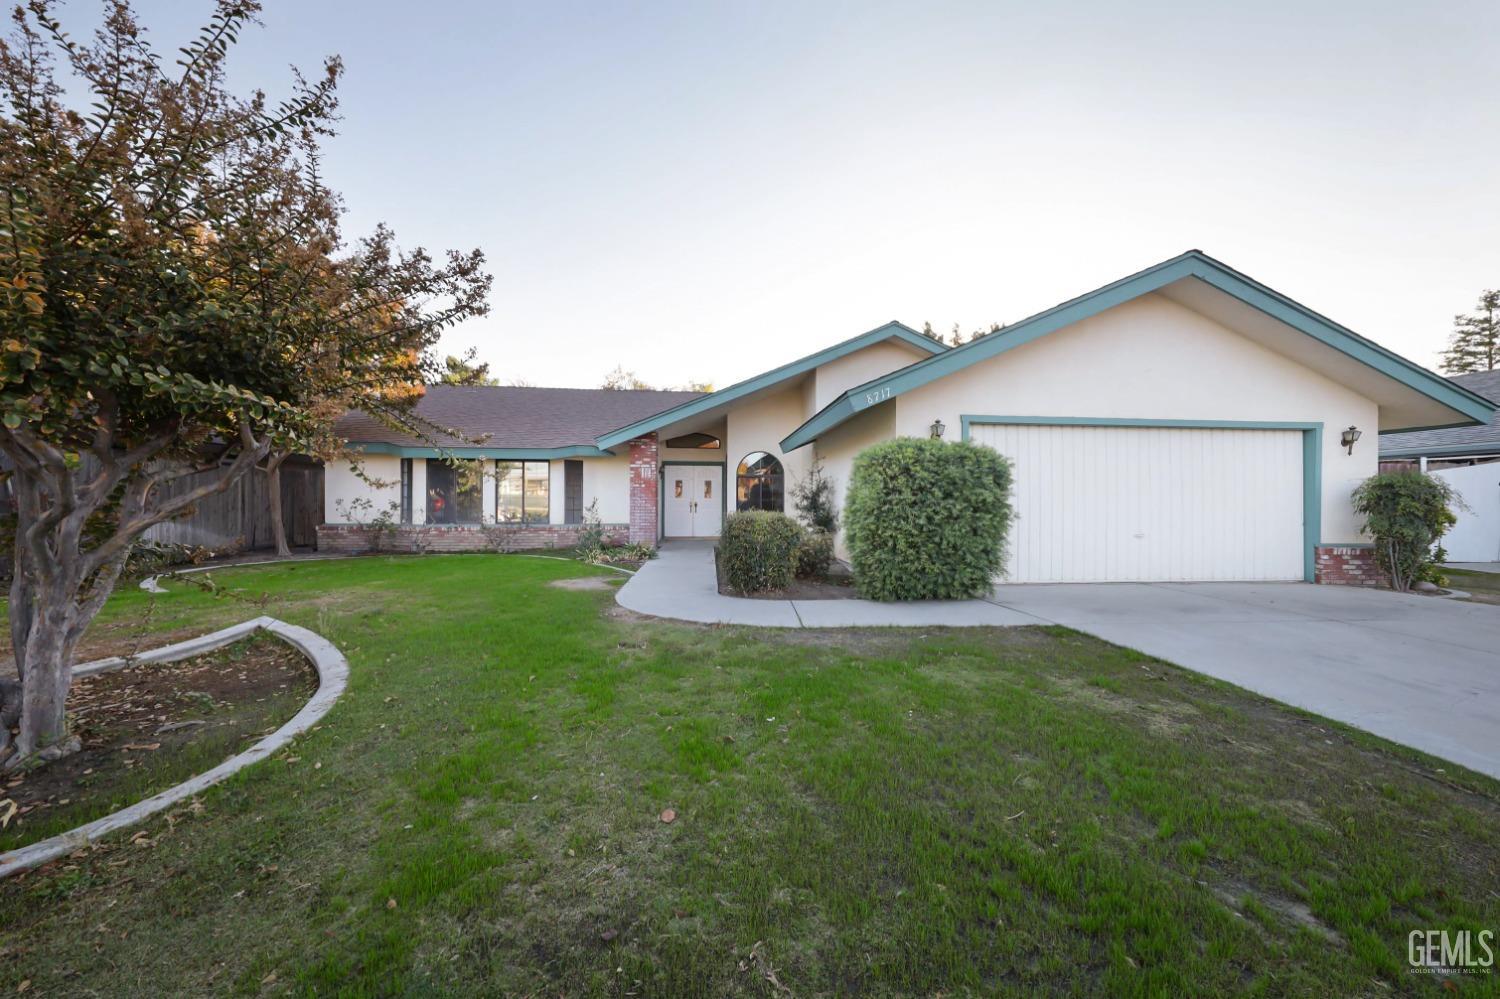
{"x": 1347, "y": 565}
{"x": 643, "y": 485}
{"x": 350, "y": 539}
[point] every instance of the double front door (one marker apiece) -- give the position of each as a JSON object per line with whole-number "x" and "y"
{"x": 694, "y": 504}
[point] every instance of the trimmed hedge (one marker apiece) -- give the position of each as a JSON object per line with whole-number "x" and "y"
{"x": 758, "y": 550}
{"x": 927, "y": 520}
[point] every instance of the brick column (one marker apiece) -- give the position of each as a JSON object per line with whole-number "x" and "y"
{"x": 1347, "y": 565}
{"x": 643, "y": 486}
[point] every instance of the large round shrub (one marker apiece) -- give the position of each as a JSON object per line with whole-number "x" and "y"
{"x": 927, "y": 520}
{"x": 758, "y": 550}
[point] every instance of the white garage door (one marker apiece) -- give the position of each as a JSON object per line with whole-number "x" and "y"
{"x": 1111, "y": 504}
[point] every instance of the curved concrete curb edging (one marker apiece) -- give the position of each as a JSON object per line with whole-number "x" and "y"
{"x": 333, "y": 677}
{"x": 151, "y": 584}
{"x": 559, "y": 558}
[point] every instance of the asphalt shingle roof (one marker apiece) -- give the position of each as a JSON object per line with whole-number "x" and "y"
{"x": 509, "y": 416}
{"x": 1483, "y": 439}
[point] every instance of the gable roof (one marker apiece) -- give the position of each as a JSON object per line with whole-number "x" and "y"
{"x": 1483, "y": 439}
{"x": 1192, "y": 264}
{"x": 514, "y": 421}
{"x": 890, "y": 331}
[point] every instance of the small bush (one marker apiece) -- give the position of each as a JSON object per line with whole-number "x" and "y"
{"x": 758, "y": 551}
{"x": 927, "y": 520}
{"x": 813, "y": 499}
{"x": 612, "y": 554}
{"x": 591, "y": 534}
{"x": 1406, "y": 513}
{"x": 814, "y": 555}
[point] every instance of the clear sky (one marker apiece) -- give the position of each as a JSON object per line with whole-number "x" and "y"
{"x": 705, "y": 190}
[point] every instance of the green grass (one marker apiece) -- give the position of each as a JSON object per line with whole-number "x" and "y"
{"x": 1483, "y": 587}
{"x": 886, "y": 812}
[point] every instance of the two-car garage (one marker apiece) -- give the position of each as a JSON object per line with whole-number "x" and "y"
{"x": 1108, "y": 501}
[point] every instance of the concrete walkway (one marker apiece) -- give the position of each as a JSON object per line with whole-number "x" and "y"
{"x": 681, "y": 583}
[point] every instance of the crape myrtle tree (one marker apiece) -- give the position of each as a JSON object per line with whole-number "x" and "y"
{"x": 175, "y": 299}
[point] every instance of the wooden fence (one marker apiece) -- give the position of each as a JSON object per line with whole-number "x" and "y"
{"x": 240, "y": 517}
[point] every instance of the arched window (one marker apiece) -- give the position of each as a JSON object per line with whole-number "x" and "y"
{"x": 759, "y": 483}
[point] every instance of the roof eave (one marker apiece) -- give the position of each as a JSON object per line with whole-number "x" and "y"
{"x": 1477, "y": 448}
{"x": 1193, "y": 263}
{"x": 467, "y": 452}
{"x": 693, "y": 407}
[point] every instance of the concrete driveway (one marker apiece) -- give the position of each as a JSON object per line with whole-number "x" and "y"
{"x": 1417, "y": 670}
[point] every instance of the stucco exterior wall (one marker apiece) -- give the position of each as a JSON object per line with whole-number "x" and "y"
{"x": 759, "y": 425}
{"x": 342, "y": 488}
{"x": 833, "y": 379}
{"x": 608, "y": 481}
{"x": 1151, "y": 358}
{"x": 838, "y": 448}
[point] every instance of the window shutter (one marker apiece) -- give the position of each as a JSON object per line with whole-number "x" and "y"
{"x": 406, "y": 490}
{"x": 573, "y": 492}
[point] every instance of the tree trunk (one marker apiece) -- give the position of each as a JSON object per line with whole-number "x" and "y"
{"x": 44, "y": 689}
{"x": 273, "y": 485}
{"x": 20, "y": 607}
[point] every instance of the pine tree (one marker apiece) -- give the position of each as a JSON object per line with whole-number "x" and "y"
{"x": 466, "y": 369}
{"x": 1476, "y": 339}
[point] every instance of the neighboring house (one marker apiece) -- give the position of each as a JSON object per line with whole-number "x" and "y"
{"x": 1468, "y": 459}
{"x": 1183, "y": 423}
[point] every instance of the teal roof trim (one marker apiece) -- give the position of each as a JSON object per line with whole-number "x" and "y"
{"x": 891, "y": 330}
{"x": 507, "y": 453}
{"x": 1193, "y": 263}
{"x": 1477, "y": 449}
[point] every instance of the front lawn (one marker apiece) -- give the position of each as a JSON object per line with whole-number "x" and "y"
{"x": 1482, "y": 587}
{"x": 889, "y": 812}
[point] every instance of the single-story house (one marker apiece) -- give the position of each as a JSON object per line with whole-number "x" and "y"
{"x": 1182, "y": 423}
{"x": 1468, "y": 459}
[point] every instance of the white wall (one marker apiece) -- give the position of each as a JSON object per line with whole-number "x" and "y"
{"x": 1151, "y": 358}
{"x": 1476, "y": 536}
{"x": 341, "y": 487}
{"x": 833, "y": 379}
{"x": 608, "y": 481}
{"x": 759, "y": 425}
{"x": 838, "y": 447}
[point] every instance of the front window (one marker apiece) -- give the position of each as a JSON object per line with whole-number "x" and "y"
{"x": 522, "y": 492}
{"x": 759, "y": 483}
{"x": 703, "y": 442}
{"x": 453, "y": 494}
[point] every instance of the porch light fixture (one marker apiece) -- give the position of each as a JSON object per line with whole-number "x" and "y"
{"x": 937, "y": 430}
{"x": 1349, "y": 437}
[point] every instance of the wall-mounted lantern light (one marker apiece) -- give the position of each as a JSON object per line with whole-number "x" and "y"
{"x": 1349, "y": 437}
{"x": 937, "y": 429}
